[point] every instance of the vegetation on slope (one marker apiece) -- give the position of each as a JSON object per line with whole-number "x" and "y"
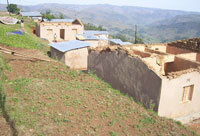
{"x": 27, "y": 40}
{"x": 50, "y": 99}
{"x": 93, "y": 27}
{"x": 45, "y": 98}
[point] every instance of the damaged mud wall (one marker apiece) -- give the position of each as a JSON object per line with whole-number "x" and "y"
{"x": 174, "y": 50}
{"x": 189, "y": 44}
{"x": 180, "y": 64}
{"x": 56, "y": 54}
{"x": 128, "y": 74}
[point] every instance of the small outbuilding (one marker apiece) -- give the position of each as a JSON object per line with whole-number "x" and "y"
{"x": 73, "y": 53}
{"x": 36, "y": 16}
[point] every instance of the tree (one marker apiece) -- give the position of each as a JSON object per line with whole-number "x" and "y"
{"x": 121, "y": 37}
{"x": 61, "y": 16}
{"x": 138, "y": 39}
{"x": 48, "y": 15}
{"x": 93, "y": 27}
{"x": 12, "y": 8}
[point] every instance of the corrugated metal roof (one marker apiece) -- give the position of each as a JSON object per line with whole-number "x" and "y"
{"x": 126, "y": 43}
{"x": 102, "y": 37}
{"x": 91, "y": 36}
{"x": 69, "y": 45}
{"x": 116, "y": 41}
{"x": 119, "y": 41}
{"x": 91, "y": 32}
{"x": 59, "y": 20}
{"x": 36, "y": 17}
{"x": 87, "y": 37}
{"x": 31, "y": 14}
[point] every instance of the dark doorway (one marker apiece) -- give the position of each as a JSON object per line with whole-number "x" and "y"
{"x": 62, "y": 33}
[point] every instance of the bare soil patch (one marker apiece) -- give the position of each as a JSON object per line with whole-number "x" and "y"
{"x": 4, "y": 127}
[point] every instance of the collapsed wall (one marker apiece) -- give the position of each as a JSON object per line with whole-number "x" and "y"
{"x": 189, "y": 44}
{"x": 128, "y": 74}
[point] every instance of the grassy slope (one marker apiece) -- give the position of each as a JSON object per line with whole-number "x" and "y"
{"x": 28, "y": 40}
{"x": 50, "y": 99}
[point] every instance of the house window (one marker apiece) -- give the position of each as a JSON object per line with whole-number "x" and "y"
{"x": 74, "y": 31}
{"x": 187, "y": 93}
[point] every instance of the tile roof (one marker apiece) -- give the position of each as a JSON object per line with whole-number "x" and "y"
{"x": 31, "y": 14}
{"x": 69, "y": 45}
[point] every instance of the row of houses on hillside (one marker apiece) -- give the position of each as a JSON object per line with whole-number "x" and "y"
{"x": 68, "y": 35}
{"x": 165, "y": 76}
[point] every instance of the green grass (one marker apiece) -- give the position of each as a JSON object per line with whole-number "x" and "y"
{"x": 28, "y": 40}
{"x": 51, "y": 99}
{"x": 22, "y": 41}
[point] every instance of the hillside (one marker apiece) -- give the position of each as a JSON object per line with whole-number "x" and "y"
{"x": 176, "y": 28}
{"x": 155, "y": 25}
{"x": 47, "y": 98}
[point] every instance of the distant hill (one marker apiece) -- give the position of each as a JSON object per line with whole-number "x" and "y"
{"x": 2, "y": 7}
{"x": 176, "y": 28}
{"x": 154, "y": 25}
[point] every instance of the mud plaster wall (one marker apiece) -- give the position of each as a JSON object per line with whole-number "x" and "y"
{"x": 161, "y": 48}
{"x": 180, "y": 64}
{"x": 189, "y": 56}
{"x": 129, "y": 75}
{"x": 56, "y": 54}
{"x": 77, "y": 59}
{"x": 174, "y": 50}
{"x": 141, "y": 54}
{"x": 171, "y": 104}
{"x": 55, "y": 28}
{"x": 198, "y": 57}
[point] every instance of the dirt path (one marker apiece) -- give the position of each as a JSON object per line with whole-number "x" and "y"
{"x": 4, "y": 127}
{"x": 28, "y": 53}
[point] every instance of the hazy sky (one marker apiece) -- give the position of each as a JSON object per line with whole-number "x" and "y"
{"x": 187, "y": 5}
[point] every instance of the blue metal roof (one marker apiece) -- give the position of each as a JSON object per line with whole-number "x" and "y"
{"x": 91, "y": 32}
{"x": 126, "y": 43}
{"x": 116, "y": 41}
{"x": 31, "y": 14}
{"x": 89, "y": 37}
{"x": 119, "y": 41}
{"x": 102, "y": 37}
{"x": 59, "y": 20}
{"x": 69, "y": 45}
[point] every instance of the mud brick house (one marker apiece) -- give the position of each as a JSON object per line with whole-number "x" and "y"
{"x": 161, "y": 75}
{"x": 59, "y": 29}
{"x": 73, "y": 53}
